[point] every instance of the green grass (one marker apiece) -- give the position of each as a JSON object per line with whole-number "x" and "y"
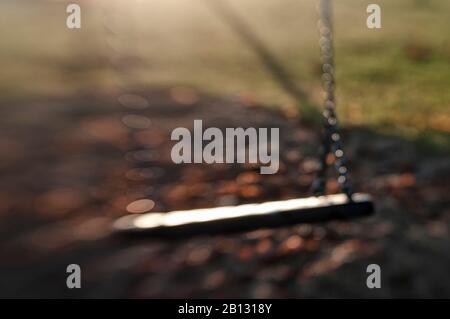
{"x": 394, "y": 79}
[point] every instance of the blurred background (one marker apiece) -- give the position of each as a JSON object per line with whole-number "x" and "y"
{"x": 86, "y": 116}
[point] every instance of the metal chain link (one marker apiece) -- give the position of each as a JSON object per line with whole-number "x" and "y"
{"x": 332, "y": 142}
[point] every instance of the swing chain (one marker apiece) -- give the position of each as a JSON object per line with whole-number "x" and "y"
{"x": 332, "y": 143}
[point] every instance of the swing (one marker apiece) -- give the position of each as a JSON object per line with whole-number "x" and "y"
{"x": 318, "y": 208}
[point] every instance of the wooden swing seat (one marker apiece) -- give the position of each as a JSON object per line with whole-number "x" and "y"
{"x": 230, "y": 219}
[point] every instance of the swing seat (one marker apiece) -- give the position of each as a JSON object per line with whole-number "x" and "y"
{"x": 229, "y": 219}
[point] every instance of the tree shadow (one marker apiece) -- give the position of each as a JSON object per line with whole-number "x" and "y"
{"x": 279, "y": 73}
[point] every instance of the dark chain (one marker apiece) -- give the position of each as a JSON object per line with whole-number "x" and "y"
{"x": 332, "y": 143}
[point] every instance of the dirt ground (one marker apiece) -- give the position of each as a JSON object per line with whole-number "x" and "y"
{"x": 69, "y": 167}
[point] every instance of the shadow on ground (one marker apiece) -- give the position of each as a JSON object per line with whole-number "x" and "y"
{"x": 70, "y": 167}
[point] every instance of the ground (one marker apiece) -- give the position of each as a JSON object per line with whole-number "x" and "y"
{"x": 69, "y": 169}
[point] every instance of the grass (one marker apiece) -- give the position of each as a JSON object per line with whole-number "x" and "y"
{"x": 394, "y": 79}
